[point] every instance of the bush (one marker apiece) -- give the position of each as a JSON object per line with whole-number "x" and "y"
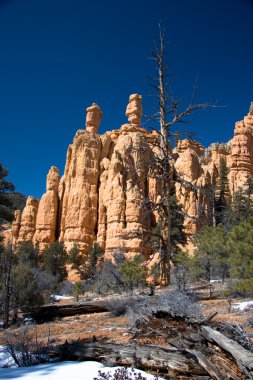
{"x": 65, "y": 288}
{"x": 25, "y": 291}
{"x": 240, "y": 288}
{"x": 26, "y": 348}
{"x": 182, "y": 271}
{"x": 108, "y": 279}
{"x": 6, "y": 213}
{"x": 177, "y": 304}
{"x": 121, "y": 306}
{"x": 121, "y": 374}
{"x": 168, "y": 302}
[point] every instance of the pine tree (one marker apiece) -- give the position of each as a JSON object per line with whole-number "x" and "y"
{"x": 211, "y": 256}
{"x": 75, "y": 258}
{"x": 91, "y": 266}
{"x": 178, "y": 236}
{"x": 5, "y": 204}
{"x": 223, "y": 198}
{"x": 5, "y": 185}
{"x": 132, "y": 272}
{"x": 27, "y": 254}
{"x": 77, "y": 289}
{"x": 241, "y": 257}
{"x": 55, "y": 259}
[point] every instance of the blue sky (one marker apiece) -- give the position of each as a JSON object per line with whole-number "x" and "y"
{"x": 59, "y": 56}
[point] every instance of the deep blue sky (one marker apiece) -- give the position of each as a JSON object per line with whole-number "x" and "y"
{"x": 59, "y": 56}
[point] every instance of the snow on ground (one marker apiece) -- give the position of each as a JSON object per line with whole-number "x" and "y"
{"x": 242, "y": 305}
{"x": 57, "y": 297}
{"x": 56, "y": 371}
{"x": 5, "y": 359}
{"x": 61, "y": 371}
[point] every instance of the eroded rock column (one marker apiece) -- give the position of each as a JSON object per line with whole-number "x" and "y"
{"x": 242, "y": 152}
{"x": 122, "y": 220}
{"x": 79, "y": 185}
{"x": 46, "y": 222}
{"x": 28, "y": 220}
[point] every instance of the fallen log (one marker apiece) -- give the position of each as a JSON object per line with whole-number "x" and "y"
{"x": 188, "y": 338}
{"x": 51, "y": 311}
{"x": 243, "y": 357}
{"x": 207, "y": 365}
{"x": 168, "y": 361}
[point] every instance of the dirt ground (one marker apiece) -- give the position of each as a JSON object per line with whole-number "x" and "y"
{"x": 104, "y": 326}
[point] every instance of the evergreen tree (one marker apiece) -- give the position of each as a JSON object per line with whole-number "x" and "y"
{"x": 182, "y": 270}
{"x": 6, "y": 205}
{"x": 241, "y": 257}
{"x": 27, "y": 254}
{"x": 77, "y": 290}
{"x": 223, "y": 198}
{"x": 91, "y": 266}
{"x": 132, "y": 272}
{"x": 55, "y": 259}
{"x": 211, "y": 256}
{"x": 178, "y": 237}
{"x": 75, "y": 258}
{"x": 25, "y": 292}
{"x": 4, "y": 184}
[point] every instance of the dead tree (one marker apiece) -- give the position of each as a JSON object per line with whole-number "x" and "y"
{"x": 168, "y": 114}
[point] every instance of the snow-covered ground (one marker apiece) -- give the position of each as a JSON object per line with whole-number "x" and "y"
{"x": 5, "y": 359}
{"x": 242, "y": 305}
{"x": 57, "y": 297}
{"x": 62, "y": 371}
{"x": 57, "y": 371}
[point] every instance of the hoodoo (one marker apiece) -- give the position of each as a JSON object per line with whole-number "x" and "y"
{"x": 103, "y": 191}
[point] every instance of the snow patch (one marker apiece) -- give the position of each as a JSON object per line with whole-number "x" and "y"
{"x": 242, "y": 305}
{"x": 56, "y": 297}
{"x": 62, "y": 371}
{"x": 5, "y": 359}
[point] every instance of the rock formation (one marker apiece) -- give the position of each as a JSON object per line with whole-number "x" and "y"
{"x": 193, "y": 192}
{"x": 28, "y": 220}
{"x": 93, "y": 118}
{"x": 79, "y": 191}
{"x": 16, "y": 224}
{"x": 102, "y": 194}
{"x": 46, "y": 221}
{"x": 241, "y": 163}
{"x": 134, "y": 109}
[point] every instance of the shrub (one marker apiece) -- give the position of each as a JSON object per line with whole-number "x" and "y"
{"x": 177, "y": 304}
{"x": 25, "y": 291}
{"x": 168, "y": 302}
{"x": 26, "y": 348}
{"x": 121, "y": 306}
{"x": 121, "y": 374}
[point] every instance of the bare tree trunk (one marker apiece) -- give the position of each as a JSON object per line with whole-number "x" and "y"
{"x": 7, "y": 286}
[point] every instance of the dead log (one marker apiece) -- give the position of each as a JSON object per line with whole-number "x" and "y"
{"x": 168, "y": 361}
{"x": 51, "y": 311}
{"x": 207, "y": 365}
{"x": 243, "y": 357}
